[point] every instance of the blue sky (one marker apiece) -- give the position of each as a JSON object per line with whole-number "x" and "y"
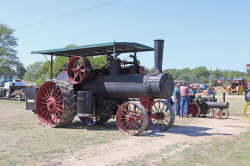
{"x": 211, "y": 33}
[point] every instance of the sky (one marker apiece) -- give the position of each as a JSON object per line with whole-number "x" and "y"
{"x": 211, "y": 33}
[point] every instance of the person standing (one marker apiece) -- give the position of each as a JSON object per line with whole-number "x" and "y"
{"x": 176, "y": 99}
{"x": 184, "y": 91}
{"x": 192, "y": 93}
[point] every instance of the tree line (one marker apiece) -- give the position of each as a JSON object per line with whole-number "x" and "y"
{"x": 40, "y": 71}
{"x": 202, "y": 75}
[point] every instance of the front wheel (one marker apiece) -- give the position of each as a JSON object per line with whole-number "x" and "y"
{"x": 162, "y": 115}
{"x": 131, "y": 118}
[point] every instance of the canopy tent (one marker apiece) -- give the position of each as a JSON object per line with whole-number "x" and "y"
{"x": 97, "y": 49}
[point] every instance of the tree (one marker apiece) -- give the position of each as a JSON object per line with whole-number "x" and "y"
{"x": 201, "y": 72}
{"x": 217, "y": 74}
{"x": 8, "y": 58}
{"x": 174, "y": 72}
{"x": 98, "y": 62}
{"x": 20, "y": 70}
{"x": 32, "y": 71}
{"x": 44, "y": 73}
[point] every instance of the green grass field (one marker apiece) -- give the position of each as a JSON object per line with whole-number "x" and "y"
{"x": 25, "y": 141}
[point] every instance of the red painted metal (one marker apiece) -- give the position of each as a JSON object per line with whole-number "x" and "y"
{"x": 76, "y": 69}
{"x": 141, "y": 70}
{"x": 248, "y": 65}
{"x": 147, "y": 103}
{"x": 218, "y": 114}
{"x": 130, "y": 119}
{"x": 50, "y": 104}
{"x": 194, "y": 110}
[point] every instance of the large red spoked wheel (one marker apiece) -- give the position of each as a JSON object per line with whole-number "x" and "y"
{"x": 76, "y": 69}
{"x": 194, "y": 110}
{"x": 131, "y": 118}
{"x": 54, "y": 104}
{"x": 162, "y": 115}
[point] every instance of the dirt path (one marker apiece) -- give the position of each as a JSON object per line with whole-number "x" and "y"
{"x": 187, "y": 132}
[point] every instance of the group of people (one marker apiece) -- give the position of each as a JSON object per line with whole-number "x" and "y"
{"x": 181, "y": 97}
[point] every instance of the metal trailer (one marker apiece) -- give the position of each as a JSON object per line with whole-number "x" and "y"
{"x": 120, "y": 89}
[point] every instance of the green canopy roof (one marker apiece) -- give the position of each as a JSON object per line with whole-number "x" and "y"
{"x": 97, "y": 49}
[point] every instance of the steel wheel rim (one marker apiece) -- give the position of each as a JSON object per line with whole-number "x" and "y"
{"x": 161, "y": 122}
{"x": 130, "y": 119}
{"x": 50, "y": 104}
{"x": 76, "y": 69}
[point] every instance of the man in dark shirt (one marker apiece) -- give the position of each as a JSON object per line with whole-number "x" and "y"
{"x": 176, "y": 99}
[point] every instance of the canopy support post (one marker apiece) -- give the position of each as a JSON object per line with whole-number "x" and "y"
{"x": 51, "y": 67}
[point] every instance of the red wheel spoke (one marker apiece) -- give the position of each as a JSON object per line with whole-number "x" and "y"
{"x": 76, "y": 74}
{"x": 52, "y": 92}
{"x": 139, "y": 117}
{"x": 81, "y": 76}
{"x": 44, "y": 99}
{"x": 76, "y": 69}
{"x": 57, "y": 93}
{"x": 46, "y": 93}
{"x": 43, "y": 107}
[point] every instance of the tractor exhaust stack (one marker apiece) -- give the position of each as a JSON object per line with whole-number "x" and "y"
{"x": 158, "y": 46}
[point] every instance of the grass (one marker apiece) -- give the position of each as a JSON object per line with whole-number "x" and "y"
{"x": 229, "y": 153}
{"x": 219, "y": 152}
{"x": 24, "y": 141}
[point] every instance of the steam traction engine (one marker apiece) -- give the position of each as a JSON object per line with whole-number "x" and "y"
{"x": 120, "y": 89}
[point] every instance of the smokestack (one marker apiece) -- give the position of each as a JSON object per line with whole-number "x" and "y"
{"x": 159, "y": 45}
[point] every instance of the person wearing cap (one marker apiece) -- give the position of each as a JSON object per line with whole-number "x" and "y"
{"x": 192, "y": 93}
{"x": 176, "y": 99}
{"x": 184, "y": 91}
